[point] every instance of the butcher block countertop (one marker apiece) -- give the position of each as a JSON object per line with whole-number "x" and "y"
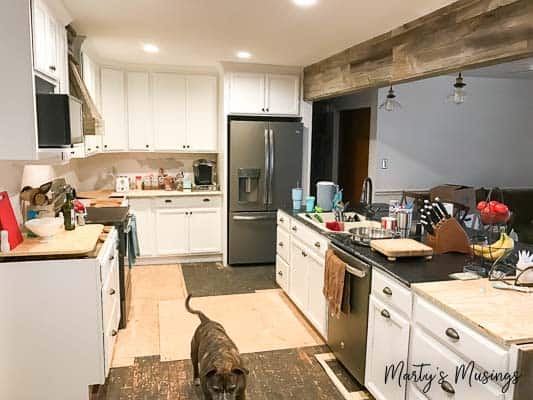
{"x": 79, "y": 242}
{"x": 503, "y": 316}
{"x": 102, "y": 198}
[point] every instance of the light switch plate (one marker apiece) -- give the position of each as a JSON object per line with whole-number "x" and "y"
{"x": 385, "y": 163}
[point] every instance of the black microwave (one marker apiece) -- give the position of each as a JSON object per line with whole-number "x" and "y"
{"x": 59, "y": 120}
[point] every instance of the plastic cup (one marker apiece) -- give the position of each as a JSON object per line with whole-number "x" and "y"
{"x": 310, "y": 204}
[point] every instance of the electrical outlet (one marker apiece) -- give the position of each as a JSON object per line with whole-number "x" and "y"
{"x": 385, "y": 163}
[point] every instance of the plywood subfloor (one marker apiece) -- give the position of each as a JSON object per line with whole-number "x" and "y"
{"x": 256, "y": 322}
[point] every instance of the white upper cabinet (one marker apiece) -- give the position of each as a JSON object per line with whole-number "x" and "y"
{"x": 40, "y": 38}
{"x": 258, "y": 93}
{"x": 282, "y": 94}
{"x": 140, "y": 132}
{"x": 247, "y": 93}
{"x": 170, "y": 109}
{"x": 114, "y": 110}
{"x": 202, "y": 113}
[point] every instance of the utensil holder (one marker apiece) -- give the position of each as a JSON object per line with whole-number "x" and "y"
{"x": 449, "y": 237}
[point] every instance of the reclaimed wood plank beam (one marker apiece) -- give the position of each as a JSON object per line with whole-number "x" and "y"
{"x": 465, "y": 34}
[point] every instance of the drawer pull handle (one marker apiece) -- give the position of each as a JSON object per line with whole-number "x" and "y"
{"x": 387, "y": 290}
{"x": 447, "y": 387}
{"x": 282, "y": 220}
{"x": 280, "y": 273}
{"x": 206, "y": 200}
{"x": 111, "y": 292}
{"x": 114, "y": 332}
{"x": 385, "y": 314}
{"x": 281, "y": 244}
{"x": 295, "y": 229}
{"x": 452, "y": 334}
{"x": 317, "y": 245}
{"x": 168, "y": 201}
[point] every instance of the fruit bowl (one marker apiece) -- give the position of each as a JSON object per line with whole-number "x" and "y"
{"x": 46, "y": 227}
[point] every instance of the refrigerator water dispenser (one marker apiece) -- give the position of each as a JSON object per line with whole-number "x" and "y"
{"x": 248, "y": 184}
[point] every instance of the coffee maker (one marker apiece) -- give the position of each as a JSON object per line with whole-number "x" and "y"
{"x": 204, "y": 175}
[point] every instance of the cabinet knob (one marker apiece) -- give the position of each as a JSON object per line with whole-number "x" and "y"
{"x": 183, "y": 146}
{"x": 89, "y": 149}
{"x": 295, "y": 229}
{"x": 385, "y": 314}
{"x": 268, "y": 110}
{"x": 447, "y": 387}
{"x": 52, "y": 67}
{"x": 105, "y": 146}
{"x": 304, "y": 254}
{"x": 97, "y": 147}
{"x": 111, "y": 292}
{"x": 111, "y": 258}
{"x": 168, "y": 201}
{"x": 317, "y": 245}
{"x": 263, "y": 109}
{"x": 387, "y": 290}
{"x": 282, "y": 220}
{"x": 206, "y": 200}
{"x": 452, "y": 334}
{"x": 114, "y": 332}
{"x": 188, "y": 146}
{"x": 281, "y": 244}
{"x": 147, "y": 146}
{"x": 280, "y": 273}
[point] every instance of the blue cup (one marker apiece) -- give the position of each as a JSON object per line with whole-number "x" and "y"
{"x": 297, "y": 194}
{"x": 297, "y": 205}
{"x": 310, "y": 204}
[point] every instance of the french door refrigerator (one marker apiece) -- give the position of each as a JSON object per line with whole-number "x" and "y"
{"x": 265, "y": 163}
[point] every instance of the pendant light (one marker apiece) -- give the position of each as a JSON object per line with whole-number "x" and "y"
{"x": 459, "y": 94}
{"x": 390, "y": 103}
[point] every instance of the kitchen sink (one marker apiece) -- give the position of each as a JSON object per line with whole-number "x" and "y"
{"x": 329, "y": 217}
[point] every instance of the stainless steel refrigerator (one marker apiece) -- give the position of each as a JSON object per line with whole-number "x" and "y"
{"x": 265, "y": 163}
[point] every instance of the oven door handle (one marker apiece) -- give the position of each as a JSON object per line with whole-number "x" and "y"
{"x": 356, "y": 272}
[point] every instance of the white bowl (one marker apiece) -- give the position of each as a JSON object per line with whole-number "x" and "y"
{"x": 45, "y": 227}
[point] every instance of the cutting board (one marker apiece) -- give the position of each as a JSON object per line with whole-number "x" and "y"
{"x": 80, "y": 241}
{"x": 8, "y": 221}
{"x": 395, "y": 248}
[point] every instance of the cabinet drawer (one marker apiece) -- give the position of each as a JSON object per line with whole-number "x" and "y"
{"x": 188, "y": 202}
{"x": 108, "y": 255}
{"x": 110, "y": 293}
{"x": 283, "y": 244}
{"x": 312, "y": 239}
{"x": 459, "y": 337}
{"x": 425, "y": 349}
{"x": 284, "y": 221}
{"x": 391, "y": 292}
{"x": 282, "y": 274}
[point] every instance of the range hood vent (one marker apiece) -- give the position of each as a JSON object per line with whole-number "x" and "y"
{"x": 93, "y": 123}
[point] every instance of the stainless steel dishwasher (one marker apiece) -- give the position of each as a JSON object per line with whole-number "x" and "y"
{"x": 347, "y": 334}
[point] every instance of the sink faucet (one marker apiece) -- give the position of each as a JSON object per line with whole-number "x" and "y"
{"x": 366, "y": 195}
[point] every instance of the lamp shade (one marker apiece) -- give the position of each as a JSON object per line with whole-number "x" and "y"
{"x": 36, "y": 175}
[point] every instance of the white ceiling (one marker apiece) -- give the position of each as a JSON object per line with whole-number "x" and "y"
{"x": 204, "y": 32}
{"x": 521, "y": 69}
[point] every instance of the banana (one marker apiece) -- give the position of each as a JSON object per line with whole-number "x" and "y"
{"x": 495, "y": 250}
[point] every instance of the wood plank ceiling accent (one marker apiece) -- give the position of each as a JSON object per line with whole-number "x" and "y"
{"x": 466, "y": 34}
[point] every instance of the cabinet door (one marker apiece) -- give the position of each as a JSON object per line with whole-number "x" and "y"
{"x": 62, "y": 59}
{"x": 172, "y": 231}
{"x": 282, "y": 274}
{"x": 142, "y": 208}
{"x": 114, "y": 110}
{"x": 202, "y": 113}
{"x": 317, "y": 308}
{"x": 387, "y": 345}
{"x": 205, "y": 230}
{"x": 140, "y": 133}
{"x": 169, "y": 93}
{"x": 283, "y": 94}
{"x": 40, "y": 28}
{"x": 51, "y": 46}
{"x": 247, "y": 93}
{"x": 298, "y": 276}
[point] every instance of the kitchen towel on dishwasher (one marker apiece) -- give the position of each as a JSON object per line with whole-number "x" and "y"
{"x": 336, "y": 285}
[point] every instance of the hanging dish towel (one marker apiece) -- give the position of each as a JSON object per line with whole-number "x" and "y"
{"x": 133, "y": 241}
{"x": 336, "y": 285}
{"x": 8, "y": 221}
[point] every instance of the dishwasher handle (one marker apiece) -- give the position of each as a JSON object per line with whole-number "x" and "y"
{"x": 354, "y": 266}
{"x": 356, "y": 272}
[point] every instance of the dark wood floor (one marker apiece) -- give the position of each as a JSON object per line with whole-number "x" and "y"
{"x": 212, "y": 279}
{"x": 274, "y": 375}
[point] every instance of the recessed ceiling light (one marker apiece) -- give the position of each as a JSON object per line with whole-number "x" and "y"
{"x": 150, "y": 48}
{"x": 243, "y": 54}
{"x": 304, "y": 3}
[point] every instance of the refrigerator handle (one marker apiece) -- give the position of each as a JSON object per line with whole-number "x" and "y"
{"x": 271, "y": 171}
{"x": 267, "y": 168}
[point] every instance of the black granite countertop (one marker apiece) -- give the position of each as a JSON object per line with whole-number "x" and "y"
{"x": 407, "y": 270}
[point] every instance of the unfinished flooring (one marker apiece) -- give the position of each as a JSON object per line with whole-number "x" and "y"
{"x": 151, "y": 358}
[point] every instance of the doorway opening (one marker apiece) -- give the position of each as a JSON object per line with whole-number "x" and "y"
{"x": 353, "y": 154}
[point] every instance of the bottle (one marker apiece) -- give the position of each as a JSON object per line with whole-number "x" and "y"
{"x": 68, "y": 212}
{"x": 4, "y": 242}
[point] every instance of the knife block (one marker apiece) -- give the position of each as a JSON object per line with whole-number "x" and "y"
{"x": 449, "y": 237}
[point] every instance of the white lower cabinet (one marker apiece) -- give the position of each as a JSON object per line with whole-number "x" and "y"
{"x": 387, "y": 346}
{"x": 171, "y": 226}
{"x": 282, "y": 274}
{"x": 178, "y": 226}
{"x": 317, "y": 308}
{"x": 298, "y": 276}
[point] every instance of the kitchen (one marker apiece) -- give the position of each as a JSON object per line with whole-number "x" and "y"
{"x": 201, "y": 147}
